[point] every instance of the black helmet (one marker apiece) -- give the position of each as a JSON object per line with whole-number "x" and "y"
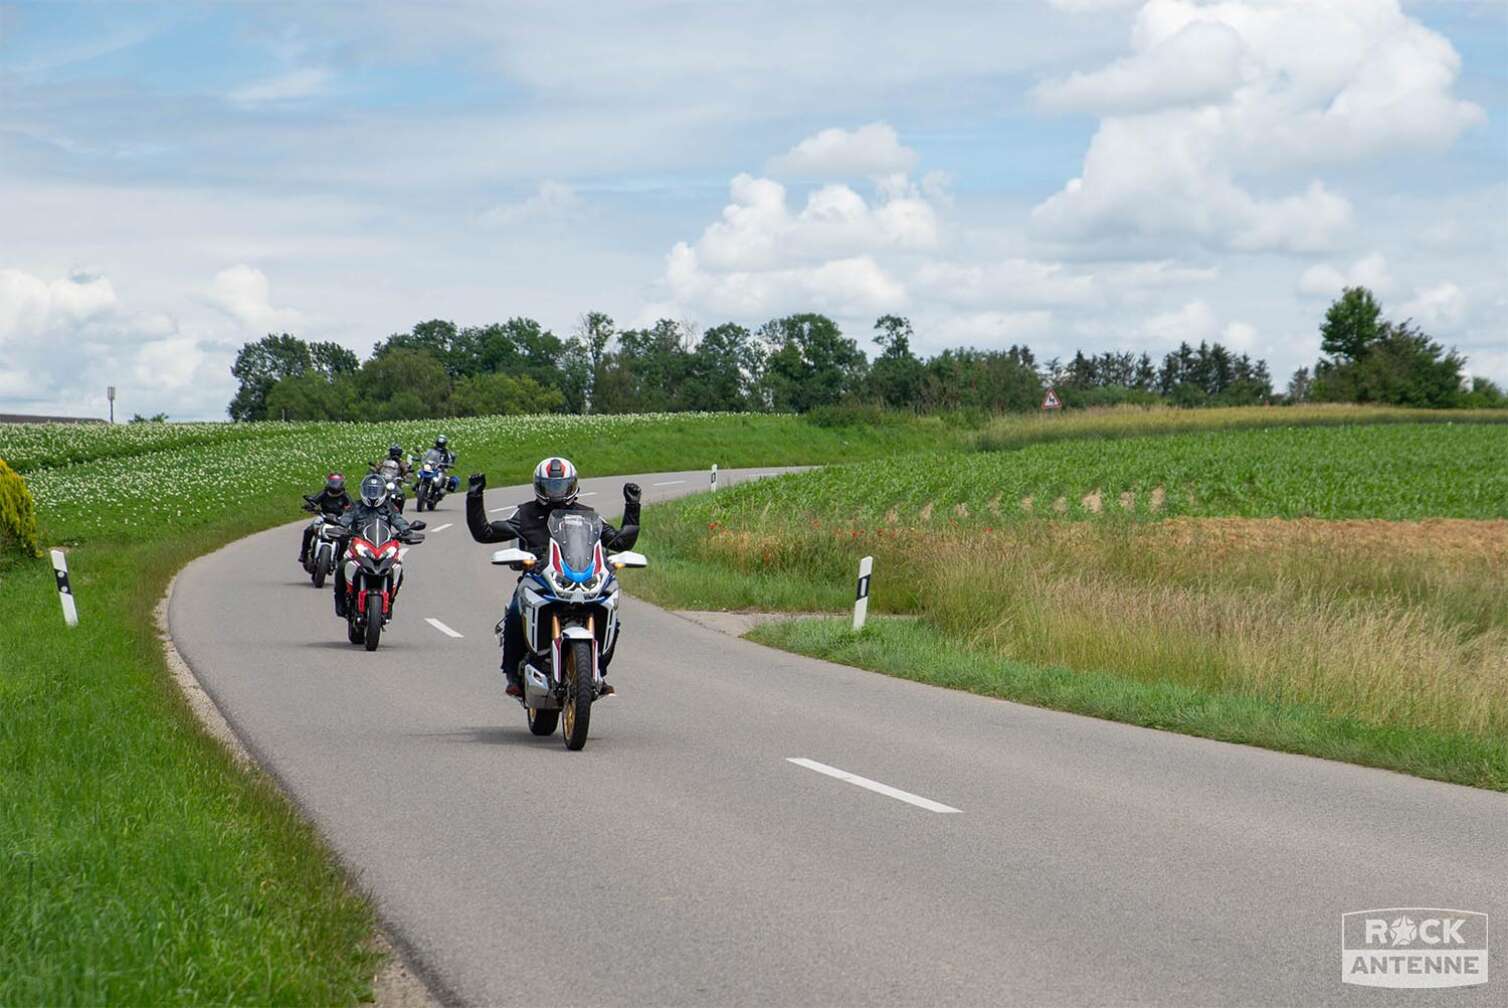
{"x": 373, "y": 490}
{"x": 441, "y": 442}
{"x": 395, "y": 451}
{"x": 335, "y": 483}
{"x": 555, "y": 481}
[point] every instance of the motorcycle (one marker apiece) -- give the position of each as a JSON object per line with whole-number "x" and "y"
{"x": 432, "y": 483}
{"x": 319, "y": 563}
{"x": 569, "y": 608}
{"x": 374, "y": 573}
{"x": 392, "y": 470}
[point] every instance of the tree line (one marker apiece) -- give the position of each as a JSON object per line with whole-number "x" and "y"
{"x": 797, "y": 363}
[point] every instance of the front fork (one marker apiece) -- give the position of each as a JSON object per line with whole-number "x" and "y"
{"x": 558, "y": 640}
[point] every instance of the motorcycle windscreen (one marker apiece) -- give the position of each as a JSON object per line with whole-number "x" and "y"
{"x": 577, "y": 536}
{"x": 375, "y": 531}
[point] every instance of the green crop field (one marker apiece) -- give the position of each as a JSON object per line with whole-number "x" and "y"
{"x": 1393, "y": 472}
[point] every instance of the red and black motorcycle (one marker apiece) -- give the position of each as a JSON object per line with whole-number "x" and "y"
{"x": 373, "y": 574}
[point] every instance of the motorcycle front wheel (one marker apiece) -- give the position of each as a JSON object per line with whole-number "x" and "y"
{"x": 374, "y": 622}
{"x": 317, "y": 575}
{"x": 576, "y": 716}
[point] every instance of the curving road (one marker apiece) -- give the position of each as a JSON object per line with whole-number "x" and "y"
{"x": 987, "y": 853}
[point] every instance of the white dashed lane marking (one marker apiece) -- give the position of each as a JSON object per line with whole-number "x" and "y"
{"x": 447, "y": 631}
{"x": 870, "y": 785}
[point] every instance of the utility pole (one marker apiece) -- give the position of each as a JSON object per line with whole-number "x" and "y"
{"x": 110, "y": 394}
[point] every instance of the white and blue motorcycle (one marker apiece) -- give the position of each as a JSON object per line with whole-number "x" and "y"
{"x": 568, "y": 602}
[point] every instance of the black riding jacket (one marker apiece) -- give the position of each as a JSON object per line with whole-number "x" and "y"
{"x": 332, "y": 505}
{"x": 530, "y": 525}
{"x": 361, "y": 513}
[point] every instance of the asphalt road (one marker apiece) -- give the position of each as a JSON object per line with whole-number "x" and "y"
{"x": 684, "y": 858}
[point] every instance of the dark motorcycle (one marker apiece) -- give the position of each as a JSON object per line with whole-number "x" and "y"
{"x": 319, "y": 561}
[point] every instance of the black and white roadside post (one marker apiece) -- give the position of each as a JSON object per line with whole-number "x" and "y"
{"x": 714, "y": 476}
{"x": 861, "y": 597}
{"x": 65, "y": 591}
{"x": 110, "y": 394}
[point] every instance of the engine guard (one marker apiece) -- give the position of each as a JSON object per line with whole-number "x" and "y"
{"x": 538, "y": 691}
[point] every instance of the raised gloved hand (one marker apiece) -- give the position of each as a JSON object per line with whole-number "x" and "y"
{"x": 476, "y": 482}
{"x": 631, "y": 493}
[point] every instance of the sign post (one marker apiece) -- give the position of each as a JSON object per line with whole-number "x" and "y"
{"x": 714, "y": 476}
{"x": 65, "y": 591}
{"x": 861, "y": 597}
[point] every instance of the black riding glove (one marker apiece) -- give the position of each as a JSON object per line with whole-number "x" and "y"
{"x": 476, "y": 482}
{"x": 631, "y": 493}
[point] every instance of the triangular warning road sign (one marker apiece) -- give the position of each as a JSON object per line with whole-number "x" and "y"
{"x": 1050, "y": 401}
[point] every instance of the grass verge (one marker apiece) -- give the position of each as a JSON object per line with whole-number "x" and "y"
{"x": 138, "y": 864}
{"x": 911, "y": 649}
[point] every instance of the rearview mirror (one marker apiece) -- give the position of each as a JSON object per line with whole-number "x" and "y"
{"x": 628, "y": 558}
{"x": 416, "y": 525}
{"x": 516, "y": 558}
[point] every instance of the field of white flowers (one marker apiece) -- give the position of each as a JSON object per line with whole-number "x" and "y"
{"x": 125, "y": 480}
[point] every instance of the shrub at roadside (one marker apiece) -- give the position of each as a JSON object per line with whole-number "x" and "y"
{"x": 18, "y": 516}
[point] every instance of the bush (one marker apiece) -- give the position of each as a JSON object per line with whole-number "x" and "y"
{"x": 18, "y": 515}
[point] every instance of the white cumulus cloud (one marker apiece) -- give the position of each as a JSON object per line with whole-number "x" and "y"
{"x": 1370, "y": 271}
{"x": 243, "y": 293}
{"x": 1215, "y": 98}
{"x": 875, "y": 149}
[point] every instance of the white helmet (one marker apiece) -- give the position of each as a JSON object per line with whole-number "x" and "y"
{"x": 555, "y": 481}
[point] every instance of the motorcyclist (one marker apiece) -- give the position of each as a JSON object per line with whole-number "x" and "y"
{"x": 375, "y": 502}
{"x": 555, "y": 489}
{"x": 394, "y": 469}
{"x": 331, "y": 502}
{"x": 441, "y": 454}
{"x": 442, "y": 458}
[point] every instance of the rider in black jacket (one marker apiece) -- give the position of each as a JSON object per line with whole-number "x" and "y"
{"x": 332, "y": 502}
{"x": 375, "y": 503}
{"x": 555, "y": 489}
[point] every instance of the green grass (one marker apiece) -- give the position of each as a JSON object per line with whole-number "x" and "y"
{"x": 911, "y": 649}
{"x": 138, "y": 864}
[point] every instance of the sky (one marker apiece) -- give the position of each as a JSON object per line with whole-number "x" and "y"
{"x": 178, "y": 179}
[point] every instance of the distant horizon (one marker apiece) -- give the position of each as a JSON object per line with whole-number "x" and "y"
{"x": 179, "y": 179}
